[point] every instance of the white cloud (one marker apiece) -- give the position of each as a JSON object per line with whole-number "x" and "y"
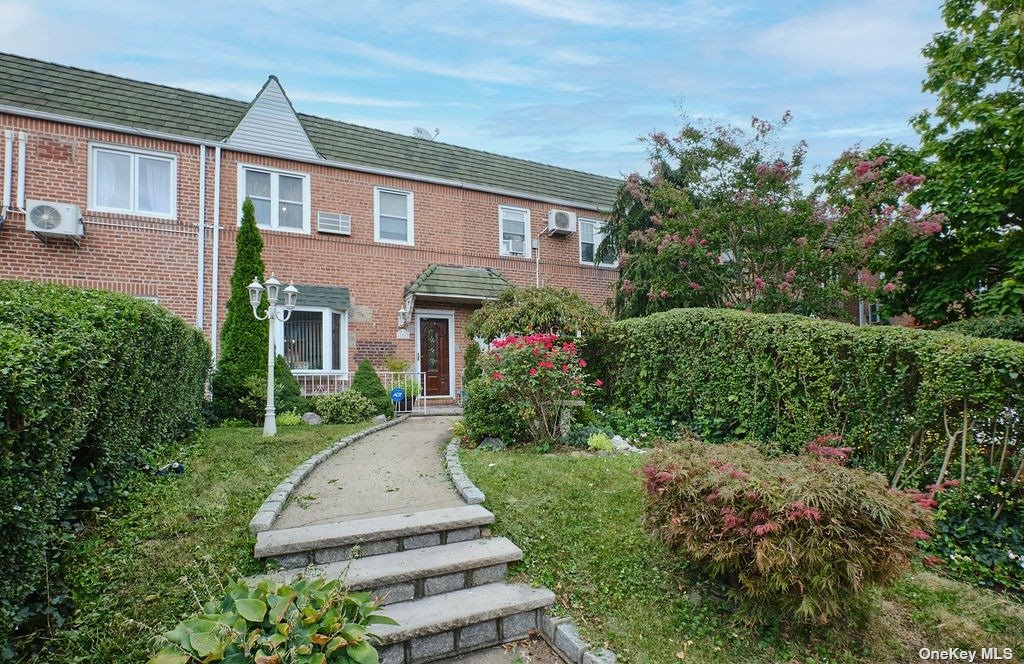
{"x": 622, "y": 15}
{"x": 857, "y": 38}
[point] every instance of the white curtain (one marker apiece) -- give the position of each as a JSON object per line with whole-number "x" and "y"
{"x": 113, "y": 180}
{"x": 154, "y": 185}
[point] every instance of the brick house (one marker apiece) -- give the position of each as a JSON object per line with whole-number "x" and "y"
{"x": 392, "y": 240}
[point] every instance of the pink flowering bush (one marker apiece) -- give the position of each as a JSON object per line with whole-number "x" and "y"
{"x": 535, "y": 374}
{"x": 793, "y": 538}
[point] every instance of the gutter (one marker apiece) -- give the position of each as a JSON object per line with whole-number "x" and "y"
{"x": 372, "y": 170}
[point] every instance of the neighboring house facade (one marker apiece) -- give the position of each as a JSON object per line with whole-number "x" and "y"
{"x": 393, "y": 241}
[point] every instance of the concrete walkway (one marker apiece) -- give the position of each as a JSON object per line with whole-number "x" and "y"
{"x": 389, "y": 472}
{"x": 394, "y": 471}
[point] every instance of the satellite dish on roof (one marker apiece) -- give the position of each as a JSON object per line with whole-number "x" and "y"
{"x": 420, "y": 132}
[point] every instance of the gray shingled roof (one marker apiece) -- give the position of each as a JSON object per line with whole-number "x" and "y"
{"x": 438, "y": 281}
{"x": 78, "y": 93}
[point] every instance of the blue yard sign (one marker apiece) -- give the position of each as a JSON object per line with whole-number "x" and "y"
{"x": 397, "y": 394}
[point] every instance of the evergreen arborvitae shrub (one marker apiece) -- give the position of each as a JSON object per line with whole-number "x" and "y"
{"x": 367, "y": 382}
{"x": 471, "y": 363}
{"x": 792, "y": 538}
{"x": 243, "y": 338}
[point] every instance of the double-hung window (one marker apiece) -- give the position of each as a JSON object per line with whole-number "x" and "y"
{"x": 392, "y": 216}
{"x": 514, "y": 229}
{"x": 314, "y": 339}
{"x": 591, "y": 237}
{"x": 280, "y": 198}
{"x": 132, "y": 181}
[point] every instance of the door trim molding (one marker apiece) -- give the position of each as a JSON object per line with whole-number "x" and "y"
{"x": 438, "y": 313}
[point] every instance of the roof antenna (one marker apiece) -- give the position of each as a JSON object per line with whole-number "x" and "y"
{"x": 420, "y": 132}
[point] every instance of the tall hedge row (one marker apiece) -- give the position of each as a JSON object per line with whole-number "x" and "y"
{"x": 90, "y": 383}
{"x": 913, "y": 404}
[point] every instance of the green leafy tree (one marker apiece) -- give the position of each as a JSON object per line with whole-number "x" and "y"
{"x": 722, "y": 221}
{"x": 367, "y": 382}
{"x": 243, "y": 351}
{"x": 535, "y": 310}
{"x": 972, "y": 154}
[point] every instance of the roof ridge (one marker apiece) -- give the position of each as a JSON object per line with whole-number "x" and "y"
{"x": 104, "y": 74}
{"x": 453, "y": 145}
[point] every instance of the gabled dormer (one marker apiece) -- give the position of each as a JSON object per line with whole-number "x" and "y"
{"x": 270, "y": 126}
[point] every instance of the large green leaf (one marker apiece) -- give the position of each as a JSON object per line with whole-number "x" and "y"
{"x": 205, "y": 643}
{"x": 363, "y": 653}
{"x": 251, "y": 609}
{"x": 168, "y": 657}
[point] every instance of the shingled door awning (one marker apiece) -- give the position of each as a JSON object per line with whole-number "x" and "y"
{"x": 441, "y": 283}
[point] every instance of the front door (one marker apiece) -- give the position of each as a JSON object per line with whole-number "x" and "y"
{"x": 434, "y": 356}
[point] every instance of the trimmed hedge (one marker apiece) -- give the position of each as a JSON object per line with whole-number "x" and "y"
{"x": 992, "y": 327}
{"x": 90, "y": 382}
{"x": 891, "y": 392}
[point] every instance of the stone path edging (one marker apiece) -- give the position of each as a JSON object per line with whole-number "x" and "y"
{"x": 560, "y": 633}
{"x": 469, "y": 492}
{"x": 272, "y": 506}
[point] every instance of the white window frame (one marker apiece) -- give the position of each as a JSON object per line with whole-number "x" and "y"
{"x": 134, "y": 153}
{"x": 409, "y": 207}
{"x": 275, "y": 200}
{"x": 527, "y": 242}
{"x": 598, "y": 224}
{"x": 327, "y": 316}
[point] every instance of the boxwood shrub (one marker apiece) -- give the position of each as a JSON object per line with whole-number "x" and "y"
{"x": 993, "y": 327}
{"x": 91, "y": 383}
{"x": 792, "y": 538}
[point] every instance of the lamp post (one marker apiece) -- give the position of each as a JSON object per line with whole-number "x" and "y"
{"x": 271, "y": 314}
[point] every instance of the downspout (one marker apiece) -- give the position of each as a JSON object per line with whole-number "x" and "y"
{"x": 8, "y": 156}
{"x": 535, "y": 245}
{"x": 215, "y": 290}
{"x": 22, "y": 139}
{"x": 201, "y": 261}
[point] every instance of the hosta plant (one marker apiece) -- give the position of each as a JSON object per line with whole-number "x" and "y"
{"x": 799, "y": 539}
{"x": 310, "y": 621}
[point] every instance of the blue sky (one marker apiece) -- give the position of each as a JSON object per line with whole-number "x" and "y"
{"x": 566, "y": 82}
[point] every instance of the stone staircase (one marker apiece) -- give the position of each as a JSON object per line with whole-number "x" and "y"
{"x": 438, "y": 573}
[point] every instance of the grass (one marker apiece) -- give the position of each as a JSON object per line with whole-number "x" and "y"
{"x": 577, "y": 519}
{"x": 144, "y": 563}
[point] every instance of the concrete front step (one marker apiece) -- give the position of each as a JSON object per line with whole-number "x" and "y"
{"x": 334, "y": 542}
{"x": 461, "y": 621}
{"x": 407, "y": 575}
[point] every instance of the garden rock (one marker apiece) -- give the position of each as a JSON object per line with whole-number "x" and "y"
{"x": 492, "y": 443}
{"x": 380, "y": 419}
{"x": 312, "y": 418}
{"x": 622, "y": 445}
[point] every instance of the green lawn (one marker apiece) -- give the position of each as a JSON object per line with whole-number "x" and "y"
{"x": 577, "y": 519}
{"x": 142, "y": 564}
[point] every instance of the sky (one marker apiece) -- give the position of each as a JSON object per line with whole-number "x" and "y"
{"x": 573, "y": 83}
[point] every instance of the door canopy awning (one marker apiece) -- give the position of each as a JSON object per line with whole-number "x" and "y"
{"x": 445, "y": 283}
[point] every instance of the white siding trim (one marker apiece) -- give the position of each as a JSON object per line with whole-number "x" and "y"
{"x": 271, "y": 124}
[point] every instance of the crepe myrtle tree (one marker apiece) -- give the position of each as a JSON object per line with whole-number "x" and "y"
{"x": 723, "y": 220}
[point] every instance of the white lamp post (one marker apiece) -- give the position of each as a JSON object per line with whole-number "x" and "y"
{"x": 271, "y": 314}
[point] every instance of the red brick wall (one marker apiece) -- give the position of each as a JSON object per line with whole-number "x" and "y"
{"x": 158, "y": 258}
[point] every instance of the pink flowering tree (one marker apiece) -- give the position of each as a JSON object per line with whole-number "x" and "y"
{"x": 538, "y": 373}
{"x": 723, "y": 221}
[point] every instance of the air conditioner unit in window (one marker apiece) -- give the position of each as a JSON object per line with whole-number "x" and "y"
{"x": 561, "y": 222}
{"x": 513, "y": 247}
{"x": 329, "y": 222}
{"x": 49, "y": 219}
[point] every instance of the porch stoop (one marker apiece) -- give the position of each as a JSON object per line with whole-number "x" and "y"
{"x": 438, "y": 573}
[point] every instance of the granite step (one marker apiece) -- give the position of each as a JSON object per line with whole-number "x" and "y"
{"x": 334, "y": 542}
{"x": 407, "y": 575}
{"x": 460, "y": 621}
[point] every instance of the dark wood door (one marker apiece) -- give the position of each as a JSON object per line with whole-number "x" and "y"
{"x": 434, "y": 356}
